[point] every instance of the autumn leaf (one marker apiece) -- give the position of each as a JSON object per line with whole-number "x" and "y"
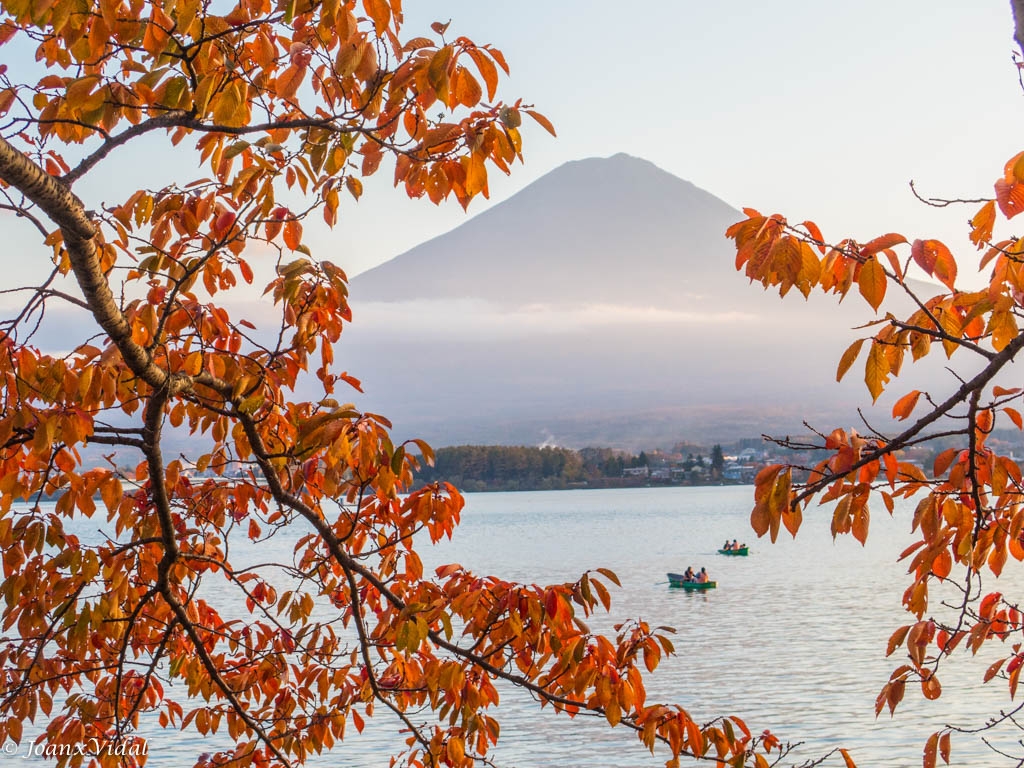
{"x": 876, "y": 371}
{"x": 544, "y": 122}
{"x": 848, "y": 358}
{"x": 905, "y": 405}
{"x": 1009, "y": 197}
{"x": 872, "y": 282}
{"x": 936, "y": 260}
{"x": 881, "y": 243}
{"x": 982, "y": 224}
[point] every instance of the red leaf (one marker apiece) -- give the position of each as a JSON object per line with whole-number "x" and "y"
{"x": 814, "y": 232}
{"x": 935, "y": 259}
{"x": 1010, "y": 196}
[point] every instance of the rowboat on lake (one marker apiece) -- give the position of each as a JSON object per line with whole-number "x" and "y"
{"x": 678, "y": 580}
{"x": 741, "y": 552}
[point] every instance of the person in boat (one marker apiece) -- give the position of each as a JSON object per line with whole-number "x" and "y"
{"x": 734, "y": 546}
{"x": 702, "y": 577}
{"x": 726, "y": 545}
{"x": 688, "y": 575}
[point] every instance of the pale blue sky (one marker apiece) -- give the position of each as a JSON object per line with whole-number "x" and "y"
{"x": 818, "y": 110}
{"x": 815, "y": 109}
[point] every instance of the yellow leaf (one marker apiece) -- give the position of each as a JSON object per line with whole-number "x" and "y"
{"x": 194, "y": 363}
{"x": 876, "y": 372}
{"x": 1003, "y": 328}
{"x": 613, "y": 713}
{"x": 476, "y": 175}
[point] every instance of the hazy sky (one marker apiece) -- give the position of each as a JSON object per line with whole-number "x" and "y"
{"x": 818, "y": 110}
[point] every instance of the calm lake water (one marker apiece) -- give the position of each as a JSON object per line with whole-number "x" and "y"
{"x": 793, "y": 638}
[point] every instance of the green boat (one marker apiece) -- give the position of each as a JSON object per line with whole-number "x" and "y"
{"x": 741, "y": 552}
{"x": 678, "y": 580}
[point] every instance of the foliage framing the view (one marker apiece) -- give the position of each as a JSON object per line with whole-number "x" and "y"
{"x": 969, "y": 519}
{"x": 286, "y": 106}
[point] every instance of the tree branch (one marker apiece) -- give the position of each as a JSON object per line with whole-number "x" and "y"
{"x": 82, "y": 240}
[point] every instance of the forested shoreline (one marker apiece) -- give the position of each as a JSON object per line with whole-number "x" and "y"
{"x": 531, "y": 468}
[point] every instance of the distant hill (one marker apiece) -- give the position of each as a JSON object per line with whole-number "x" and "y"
{"x": 599, "y": 305}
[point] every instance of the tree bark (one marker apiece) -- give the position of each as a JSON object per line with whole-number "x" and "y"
{"x": 83, "y": 244}
{"x": 1018, "y": 22}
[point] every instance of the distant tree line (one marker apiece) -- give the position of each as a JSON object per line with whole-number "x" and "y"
{"x": 506, "y": 468}
{"x": 530, "y": 468}
{"x": 521, "y": 468}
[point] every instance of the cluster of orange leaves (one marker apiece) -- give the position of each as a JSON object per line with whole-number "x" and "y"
{"x": 287, "y": 103}
{"x": 971, "y": 517}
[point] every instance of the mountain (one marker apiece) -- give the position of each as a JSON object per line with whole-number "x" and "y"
{"x": 599, "y": 231}
{"x": 599, "y": 305}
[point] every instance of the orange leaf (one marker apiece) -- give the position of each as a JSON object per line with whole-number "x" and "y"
{"x": 984, "y": 420}
{"x": 982, "y": 223}
{"x": 931, "y": 748}
{"x": 289, "y": 80}
{"x": 872, "y": 247}
{"x": 467, "y": 89}
{"x": 813, "y": 231}
{"x": 293, "y": 234}
{"x": 380, "y": 12}
{"x": 6, "y": 99}
{"x": 905, "y": 405}
{"x": 872, "y": 282}
{"x": 487, "y": 71}
{"x": 544, "y": 122}
{"x": 1015, "y": 417}
{"x": 931, "y": 688}
{"x": 944, "y": 747}
{"x": 499, "y": 57}
{"x": 848, "y": 358}
{"x": 943, "y": 564}
{"x": 861, "y": 521}
{"x": 1014, "y": 168}
{"x": 943, "y": 461}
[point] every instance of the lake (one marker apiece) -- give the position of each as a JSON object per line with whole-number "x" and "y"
{"x": 793, "y": 639}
